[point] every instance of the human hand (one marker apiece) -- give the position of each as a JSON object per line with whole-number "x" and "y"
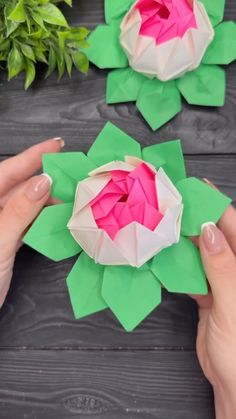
{"x": 21, "y": 199}
{"x": 216, "y": 339}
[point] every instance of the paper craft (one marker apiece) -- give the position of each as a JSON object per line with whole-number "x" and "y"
{"x": 164, "y": 38}
{"x": 128, "y": 213}
{"x": 160, "y": 50}
{"x": 125, "y": 213}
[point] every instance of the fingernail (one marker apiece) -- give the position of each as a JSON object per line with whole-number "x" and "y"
{"x": 60, "y": 140}
{"x": 209, "y": 183}
{"x": 38, "y": 187}
{"x": 212, "y": 237}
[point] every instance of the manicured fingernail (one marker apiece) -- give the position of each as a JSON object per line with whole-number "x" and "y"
{"x": 60, "y": 140}
{"x": 38, "y": 187}
{"x": 209, "y": 183}
{"x": 212, "y": 237}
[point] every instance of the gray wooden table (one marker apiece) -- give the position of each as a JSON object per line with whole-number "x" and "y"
{"x": 52, "y": 366}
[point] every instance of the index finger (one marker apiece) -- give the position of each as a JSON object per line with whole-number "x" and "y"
{"x": 19, "y": 168}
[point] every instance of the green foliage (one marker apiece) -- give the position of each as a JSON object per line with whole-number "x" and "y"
{"x": 36, "y": 30}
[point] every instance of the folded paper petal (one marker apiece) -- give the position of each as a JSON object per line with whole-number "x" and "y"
{"x": 49, "y": 234}
{"x": 130, "y": 293}
{"x": 204, "y": 86}
{"x": 202, "y": 204}
{"x": 106, "y": 54}
{"x": 113, "y": 144}
{"x": 223, "y": 49}
{"x": 179, "y": 268}
{"x": 158, "y": 102}
{"x": 115, "y": 9}
{"x": 84, "y": 284}
{"x": 123, "y": 85}
{"x": 215, "y": 10}
{"x": 66, "y": 170}
{"x": 169, "y": 156}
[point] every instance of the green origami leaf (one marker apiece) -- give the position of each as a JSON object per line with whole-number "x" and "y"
{"x": 123, "y": 85}
{"x": 104, "y": 48}
{"x": 158, "y": 102}
{"x": 202, "y": 204}
{"x": 179, "y": 268}
{"x": 116, "y": 8}
{"x": 215, "y": 10}
{"x": 131, "y": 293}
{"x": 204, "y": 86}
{"x": 49, "y": 234}
{"x": 223, "y": 48}
{"x": 66, "y": 170}
{"x": 113, "y": 144}
{"x": 84, "y": 285}
{"x": 169, "y": 156}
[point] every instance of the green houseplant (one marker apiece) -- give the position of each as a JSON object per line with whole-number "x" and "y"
{"x": 34, "y": 31}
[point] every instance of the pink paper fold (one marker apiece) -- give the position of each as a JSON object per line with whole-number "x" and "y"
{"x": 165, "y": 19}
{"x": 128, "y": 197}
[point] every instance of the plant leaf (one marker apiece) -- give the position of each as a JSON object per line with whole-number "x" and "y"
{"x": 30, "y": 73}
{"x": 51, "y": 14}
{"x": 15, "y": 62}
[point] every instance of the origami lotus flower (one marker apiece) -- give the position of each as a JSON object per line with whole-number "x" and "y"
{"x": 166, "y": 38}
{"x": 162, "y": 49}
{"x": 91, "y": 219}
{"x": 125, "y": 213}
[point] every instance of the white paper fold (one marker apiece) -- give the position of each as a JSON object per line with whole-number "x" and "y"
{"x": 170, "y": 59}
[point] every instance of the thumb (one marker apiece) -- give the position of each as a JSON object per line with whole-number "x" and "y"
{"x": 220, "y": 266}
{"x": 20, "y": 211}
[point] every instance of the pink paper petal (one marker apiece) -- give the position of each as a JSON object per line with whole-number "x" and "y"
{"x": 165, "y": 19}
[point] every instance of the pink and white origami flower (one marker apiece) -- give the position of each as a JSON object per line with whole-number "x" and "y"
{"x": 166, "y": 38}
{"x": 126, "y": 212}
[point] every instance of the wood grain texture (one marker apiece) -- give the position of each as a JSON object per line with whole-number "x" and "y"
{"x": 102, "y": 385}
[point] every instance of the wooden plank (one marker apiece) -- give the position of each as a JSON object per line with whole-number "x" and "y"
{"x": 75, "y": 109}
{"x": 103, "y": 385}
{"x": 38, "y": 313}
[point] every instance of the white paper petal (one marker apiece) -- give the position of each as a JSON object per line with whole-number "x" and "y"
{"x": 87, "y": 189}
{"x": 114, "y": 165}
{"x": 170, "y": 59}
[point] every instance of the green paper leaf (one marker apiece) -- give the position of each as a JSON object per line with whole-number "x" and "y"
{"x": 202, "y": 204}
{"x": 215, "y": 10}
{"x": 116, "y": 8}
{"x": 84, "y": 285}
{"x": 123, "y": 85}
{"x": 131, "y": 293}
{"x": 204, "y": 86}
{"x": 113, "y": 144}
{"x": 49, "y": 234}
{"x": 223, "y": 48}
{"x": 66, "y": 170}
{"x": 104, "y": 48}
{"x": 179, "y": 268}
{"x": 158, "y": 102}
{"x": 169, "y": 156}
{"x": 51, "y": 14}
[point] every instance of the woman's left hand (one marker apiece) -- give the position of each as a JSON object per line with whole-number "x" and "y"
{"x": 21, "y": 199}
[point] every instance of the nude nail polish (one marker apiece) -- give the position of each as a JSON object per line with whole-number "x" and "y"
{"x": 60, "y": 140}
{"x": 213, "y": 238}
{"x": 38, "y": 187}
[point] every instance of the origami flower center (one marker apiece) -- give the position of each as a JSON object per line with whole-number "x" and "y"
{"x": 165, "y": 19}
{"x": 127, "y": 197}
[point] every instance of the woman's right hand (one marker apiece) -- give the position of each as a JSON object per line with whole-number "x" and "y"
{"x": 216, "y": 339}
